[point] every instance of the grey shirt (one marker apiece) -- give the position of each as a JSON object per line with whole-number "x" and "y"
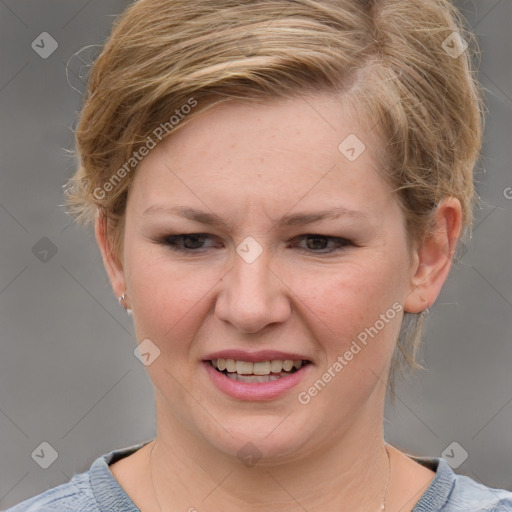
{"x": 97, "y": 490}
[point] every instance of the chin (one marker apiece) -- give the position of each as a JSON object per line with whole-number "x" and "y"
{"x": 267, "y": 441}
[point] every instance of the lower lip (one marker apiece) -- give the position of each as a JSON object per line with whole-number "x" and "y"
{"x": 255, "y": 390}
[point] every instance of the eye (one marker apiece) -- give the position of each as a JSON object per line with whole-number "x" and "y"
{"x": 195, "y": 242}
{"x": 189, "y": 242}
{"x": 320, "y": 243}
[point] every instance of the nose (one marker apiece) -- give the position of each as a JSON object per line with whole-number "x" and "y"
{"x": 252, "y": 296}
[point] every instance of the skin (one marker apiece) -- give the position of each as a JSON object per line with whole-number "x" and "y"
{"x": 251, "y": 165}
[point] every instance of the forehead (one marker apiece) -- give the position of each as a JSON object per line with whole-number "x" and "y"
{"x": 307, "y": 151}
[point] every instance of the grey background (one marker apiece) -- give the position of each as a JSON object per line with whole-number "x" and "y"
{"x": 68, "y": 375}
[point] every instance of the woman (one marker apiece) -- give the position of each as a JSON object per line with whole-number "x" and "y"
{"x": 278, "y": 190}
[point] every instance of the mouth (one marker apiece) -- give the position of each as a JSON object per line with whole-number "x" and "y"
{"x": 259, "y": 371}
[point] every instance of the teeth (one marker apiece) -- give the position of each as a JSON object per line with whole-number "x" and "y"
{"x": 261, "y": 368}
{"x": 287, "y": 365}
{"x": 230, "y": 365}
{"x": 254, "y": 378}
{"x": 276, "y": 366}
{"x": 244, "y": 368}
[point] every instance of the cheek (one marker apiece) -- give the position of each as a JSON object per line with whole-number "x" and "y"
{"x": 353, "y": 302}
{"x": 168, "y": 298}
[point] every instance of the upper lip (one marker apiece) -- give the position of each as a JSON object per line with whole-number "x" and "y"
{"x": 255, "y": 357}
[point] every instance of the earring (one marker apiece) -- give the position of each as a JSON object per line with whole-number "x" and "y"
{"x": 425, "y": 311}
{"x": 122, "y": 301}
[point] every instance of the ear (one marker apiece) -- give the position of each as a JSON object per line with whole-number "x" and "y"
{"x": 433, "y": 258}
{"x": 113, "y": 265}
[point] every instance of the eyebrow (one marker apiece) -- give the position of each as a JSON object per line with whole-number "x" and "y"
{"x": 214, "y": 220}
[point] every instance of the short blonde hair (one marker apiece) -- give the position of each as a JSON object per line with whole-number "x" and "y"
{"x": 399, "y": 63}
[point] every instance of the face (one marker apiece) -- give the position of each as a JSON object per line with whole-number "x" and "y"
{"x": 251, "y": 236}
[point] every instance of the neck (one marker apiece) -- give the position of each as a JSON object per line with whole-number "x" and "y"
{"x": 347, "y": 473}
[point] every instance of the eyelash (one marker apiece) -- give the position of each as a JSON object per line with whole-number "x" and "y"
{"x": 171, "y": 243}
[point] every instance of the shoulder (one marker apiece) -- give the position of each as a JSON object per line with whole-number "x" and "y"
{"x": 95, "y": 490}
{"x": 467, "y": 494}
{"x": 73, "y": 496}
{"x": 450, "y": 492}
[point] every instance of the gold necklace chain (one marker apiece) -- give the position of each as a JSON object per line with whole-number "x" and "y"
{"x": 382, "y": 507}
{"x": 383, "y": 504}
